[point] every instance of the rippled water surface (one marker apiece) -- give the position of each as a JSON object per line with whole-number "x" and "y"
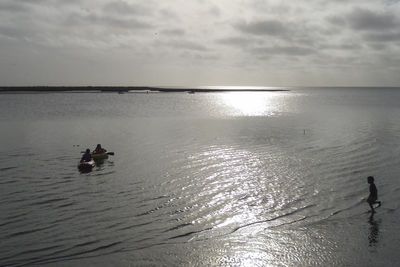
{"x": 223, "y": 179}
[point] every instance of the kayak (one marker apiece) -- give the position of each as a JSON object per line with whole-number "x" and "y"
{"x": 99, "y": 156}
{"x": 86, "y": 166}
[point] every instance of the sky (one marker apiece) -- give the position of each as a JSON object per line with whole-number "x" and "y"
{"x": 199, "y": 42}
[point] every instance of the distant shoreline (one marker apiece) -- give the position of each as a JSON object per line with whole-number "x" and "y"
{"x": 123, "y": 89}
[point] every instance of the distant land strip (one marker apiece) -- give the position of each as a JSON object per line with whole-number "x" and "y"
{"x": 124, "y": 89}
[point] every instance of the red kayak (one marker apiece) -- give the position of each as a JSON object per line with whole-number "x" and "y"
{"x": 86, "y": 166}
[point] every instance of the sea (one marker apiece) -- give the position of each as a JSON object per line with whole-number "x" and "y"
{"x": 273, "y": 178}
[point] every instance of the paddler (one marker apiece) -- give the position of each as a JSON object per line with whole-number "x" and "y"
{"x": 87, "y": 156}
{"x": 99, "y": 149}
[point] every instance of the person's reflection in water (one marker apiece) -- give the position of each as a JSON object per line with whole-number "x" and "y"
{"x": 373, "y": 231}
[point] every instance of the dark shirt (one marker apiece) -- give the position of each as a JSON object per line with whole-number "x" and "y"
{"x": 373, "y": 191}
{"x": 99, "y": 151}
{"x": 86, "y": 157}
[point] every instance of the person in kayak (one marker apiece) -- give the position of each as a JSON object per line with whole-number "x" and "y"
{"x": 87, "y": 156}
{"x": 373, "y": 193}
{"x": 99, "y": 150}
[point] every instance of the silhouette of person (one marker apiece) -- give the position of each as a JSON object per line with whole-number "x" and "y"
{"x": 99, "y": 149}
{"x": 373, "y": 194}
{"x": 87, "y": 156}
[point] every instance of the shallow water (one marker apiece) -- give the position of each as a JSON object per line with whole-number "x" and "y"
{"x": 274, "y": 178}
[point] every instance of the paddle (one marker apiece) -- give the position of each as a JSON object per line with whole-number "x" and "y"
{"x": 108, "y": 153}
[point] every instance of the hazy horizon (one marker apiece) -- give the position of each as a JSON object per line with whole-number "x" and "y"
{"x": 232, "y": 88}
{"x": 200, "y": 42}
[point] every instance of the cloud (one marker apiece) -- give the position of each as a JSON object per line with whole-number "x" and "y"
{"x": 283, "y": 50}
{"x": 214, "y": 10}
{"x": 230, "y": 35}
{"x": 52, "y": 23}
{"x": 123, "y": 8}
{"x": 369, "y": 26}
{"x": 12, "y": 32}
{"x": 13, "y": 7}
{"x": 240, "y": 42}
{"x": 337, "y": 21}
{"x": 183, "y": 44}
{"x": 386, "y": 37}
{"x": 108, "y": 21}
{"x": 266, "y": 27}
{"x": 367, "y": 20}
{"x": 173, "y": 32}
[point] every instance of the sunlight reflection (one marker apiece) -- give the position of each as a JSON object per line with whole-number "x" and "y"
{"x": 251, "y": 103}
{"x": 244, "y": 195}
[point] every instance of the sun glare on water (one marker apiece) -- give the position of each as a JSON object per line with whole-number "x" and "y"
{"x": 250, "y": 103}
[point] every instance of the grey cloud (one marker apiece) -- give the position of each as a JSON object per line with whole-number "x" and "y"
{"x": 378, "y": 46}
{"x": 38, "y": 2}
{"x": 124, "y": 8}
{"x": 283, "y": 50}
{"x": 215, "y": 11}
{"x": 341, "y": 47}
{"x": 46, "y": 2}
{"x": 383, "y": 37}
{"x": 184, "y": 44}
{"x": 240, "y": 42}
{"x": 26, "y": 6}
{"x": 188, "y": 45}
{"x": 108, "y": 21}
{"x": 349, "y": 46}
{"x": 337, "y": 60}
{"x": 307, "y": 34}
{"x": 173, "y": 32}
{"x": 168, "y": 14}
{"x": 200, "y": 56}
{"x": 364, "y": 19}
{"x": 234, "y": 41}
{"x": 266, "y": 27}
{"x": 7, "y": 7}
{"x": 72, "y": 26}
{"x": 337, "y": 21}
{"x": 12, "y": 32}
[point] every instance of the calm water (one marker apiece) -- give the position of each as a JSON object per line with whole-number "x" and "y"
{"x": 216, "y": 179}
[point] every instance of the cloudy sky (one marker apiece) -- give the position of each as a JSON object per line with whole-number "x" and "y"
{"x": 200, "y": 42}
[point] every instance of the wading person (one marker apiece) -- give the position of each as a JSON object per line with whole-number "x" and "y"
{"x": 373, "y": 194}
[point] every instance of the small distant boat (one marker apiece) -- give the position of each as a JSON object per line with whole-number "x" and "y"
{"x": 86, "y": 166}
